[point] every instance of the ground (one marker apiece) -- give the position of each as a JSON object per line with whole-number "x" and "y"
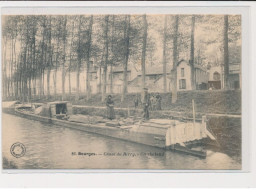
{"x": 219, "y": 101}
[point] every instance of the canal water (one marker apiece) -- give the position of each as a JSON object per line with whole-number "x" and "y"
{"x": 54, "y": 147}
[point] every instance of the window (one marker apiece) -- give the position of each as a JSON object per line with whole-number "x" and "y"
{"x": 182, "y": 83}
{"x": 216, "y": 76}
{"x": 182, "y": 72}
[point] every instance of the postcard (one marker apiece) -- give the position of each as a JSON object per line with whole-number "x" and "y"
{"x": 123, "y": 91}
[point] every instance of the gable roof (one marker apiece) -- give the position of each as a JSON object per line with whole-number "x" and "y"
{"x": 156, "y": 70}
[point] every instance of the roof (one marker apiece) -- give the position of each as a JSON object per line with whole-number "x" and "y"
{"x": 155, "y": 70}
{"x": 201, "y": 68}
{"x": 120, "y": 69}
{"x": 58, "y": 102}
{"x": 195, "y": 66}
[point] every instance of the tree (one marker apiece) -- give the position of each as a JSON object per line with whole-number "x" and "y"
{"x": 79, "y": 57}
{"x": 226, "y": 54}
{"x": 193, "y": 85}
{"x": 88, "y": 55}
{"x": 126, "y": 54}
{"x": 143, "y": 56}
{"x": 50, "y": 56}
{"x": 175, "y": 58}
{"x": 105, "y": 57}
{"x": 164, "y": 54}
{"x": 64, "y": 39}
{"x": 70, "y": 54}
{"x": 112, "y": 50}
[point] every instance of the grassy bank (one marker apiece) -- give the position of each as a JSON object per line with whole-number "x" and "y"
{"x": 218, "y": 101}
{"x": 228, "y": 133}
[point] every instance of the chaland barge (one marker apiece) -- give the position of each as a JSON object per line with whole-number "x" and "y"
{"x": 161, "y": 133}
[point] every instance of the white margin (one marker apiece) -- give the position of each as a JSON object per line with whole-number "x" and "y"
{"x": 247, "y": 178}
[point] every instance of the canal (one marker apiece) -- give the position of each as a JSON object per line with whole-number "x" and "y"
{"x": 54, "y": 147}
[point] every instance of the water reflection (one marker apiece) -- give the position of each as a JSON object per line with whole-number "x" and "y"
{"x": 51, "y": 147}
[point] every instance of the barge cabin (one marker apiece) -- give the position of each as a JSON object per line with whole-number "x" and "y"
{"x": 58, "y": 109}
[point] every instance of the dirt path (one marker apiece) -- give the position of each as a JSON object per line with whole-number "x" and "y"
{"x": 165, "y": 111}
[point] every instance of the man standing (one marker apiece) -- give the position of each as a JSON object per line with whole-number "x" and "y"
{"x": 136, "y": 101}
{"x": 145, "y": 103}
{"x": 158, "y": 101}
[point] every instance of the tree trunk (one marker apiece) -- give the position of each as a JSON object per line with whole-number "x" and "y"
{"x": 50, "y": 60}
{"x": 88, "y": 86}
{"x": 144, "y": 47}
{"x": 34, "y": 60}
{"x": 164, "y": 54}
{"x": 100, "y": 82}
{"x": 4, "y": 83}
{"x": 69, "y": 82}
{"x": 79, "y": 63}
{"x": 78, "y": 83}
{"x": 56, "y": 68}
{"x": 193, "y": 80}
{"x": 226, "y": 54}
{"x": 64, "y": 58}
{"x": 105, "y": 60}
{"x": 48, "y": 82}
{"x": 42, "y": 61}
{"x": 126, "y": 55}
{"x": 70, "y": 58}
{"x": 112, "y": 50}
{"x": 175, "y": 59}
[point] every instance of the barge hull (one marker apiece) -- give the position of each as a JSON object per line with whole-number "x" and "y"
{"x": 112, "y": 132}
{"x": 153, "y": 140}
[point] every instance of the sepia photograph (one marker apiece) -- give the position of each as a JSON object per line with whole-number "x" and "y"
{"x": 122, "y": 91}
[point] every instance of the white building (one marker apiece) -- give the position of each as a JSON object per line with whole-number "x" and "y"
{"x": 184, "y": 76}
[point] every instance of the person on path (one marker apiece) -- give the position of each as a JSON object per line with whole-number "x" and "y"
{"x": 145, "y": 103}
{"x": 158, "y": 101}
{"x": 110, "y": 108}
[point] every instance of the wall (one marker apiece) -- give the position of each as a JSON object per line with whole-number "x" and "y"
{"x": 201, "y": 76}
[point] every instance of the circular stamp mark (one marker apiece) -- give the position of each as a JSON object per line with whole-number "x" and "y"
{"x": 18, "y": 150}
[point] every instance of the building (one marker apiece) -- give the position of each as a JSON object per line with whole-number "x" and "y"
{"x": 154, "y": 80}
{"x": 117, "y": 78}
{"x": 216, "y": 77}
{"x": 234, "y": 76}
{"x": 93, "y": 77}
{"x": 184, "y": 76}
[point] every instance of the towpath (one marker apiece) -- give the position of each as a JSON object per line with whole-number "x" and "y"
{"x": 230, "y": 115}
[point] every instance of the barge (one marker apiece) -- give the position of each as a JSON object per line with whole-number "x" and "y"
{"x": 177, "y": 135}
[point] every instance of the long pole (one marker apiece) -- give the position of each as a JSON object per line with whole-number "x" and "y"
{"x": 194, "y": 115}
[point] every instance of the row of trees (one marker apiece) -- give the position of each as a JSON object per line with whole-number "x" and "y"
{"x": 36, "y": 45}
